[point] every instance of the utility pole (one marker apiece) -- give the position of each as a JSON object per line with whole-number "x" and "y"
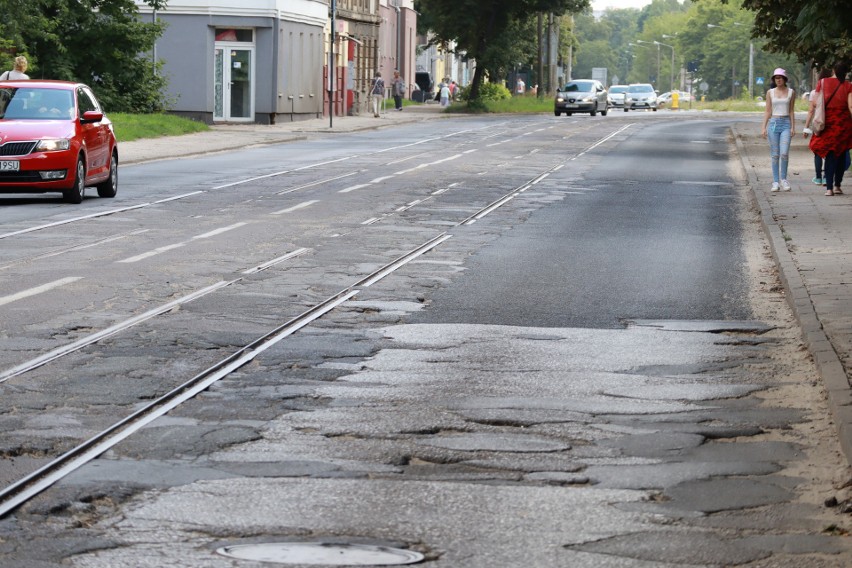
{"x": 331, "y": 62}
{"x": 540, "y": 69}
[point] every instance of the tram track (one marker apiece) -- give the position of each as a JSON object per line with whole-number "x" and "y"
{"x": 31, "y": 485}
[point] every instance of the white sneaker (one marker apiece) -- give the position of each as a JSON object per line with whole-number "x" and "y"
{"x": 775, "y": 186}
{"x": 785, "y": 185}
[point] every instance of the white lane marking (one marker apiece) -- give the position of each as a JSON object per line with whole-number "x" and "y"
{"x": 381, "y": 179}
{"x": 89, "y": 339}
{"x": 38, "y": 290}
{"x": 371, "y": 221}
{"x": 151, "y": 253}
{"x": 601, "y": 141}
{"x": 72, "y": 220}
{"x": 274, "y": 261}
{"x": 700, "y": 141}
{"x": 176, "y": 197}
{"x": 301, "y": 205}
{"x": 219, "y": 231}
{"x": 469, "y": 151}
{"x": 353, "y": 188}
{"x": 292, "y": 189}
{"x": 74, "y": 248}
{"x": 274, "y": 174}
{"x": 167, "y": 248}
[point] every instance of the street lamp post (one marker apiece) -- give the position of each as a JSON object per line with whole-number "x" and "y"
{"x": 750, "y": 62}
{"x": 671, "y": 77}
{"x": 658, "y": 57}
{"x": 643, "y": 47}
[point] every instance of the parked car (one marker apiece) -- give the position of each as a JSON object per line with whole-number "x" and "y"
{"x": 666, "y": 98}
{"x": 586, "y": 95}
{"x": 54, "y": 136}
{"x": 640, "y": 96}
{"x": 616, "y": 95}
{"x": 424, "y": 87}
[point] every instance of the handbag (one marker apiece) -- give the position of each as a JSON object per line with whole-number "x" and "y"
{"x": 818, "y": 121}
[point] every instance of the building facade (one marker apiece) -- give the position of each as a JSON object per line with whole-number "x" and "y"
{"x": 267, "y": 61}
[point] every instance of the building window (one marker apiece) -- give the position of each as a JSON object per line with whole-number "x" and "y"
{"x": 234, "y": 34}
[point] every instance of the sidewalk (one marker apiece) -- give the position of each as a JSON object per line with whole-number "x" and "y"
{"x": 811, "y": 239}
{"x": 230, "y": 136}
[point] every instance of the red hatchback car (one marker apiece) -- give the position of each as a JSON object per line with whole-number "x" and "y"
{"x": 54, "y": 136}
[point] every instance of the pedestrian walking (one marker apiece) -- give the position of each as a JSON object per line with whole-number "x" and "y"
{"x": 835, "y": 140}
{"x": 19, "y": 72}
{"x": 780, "y": 102}
{"x": 397, "y": 90}
{"x": 826, "y": 72}
{"x": 377, "y": 93}
{"x": 520, "y": 87}
{"x": 445, "y": 95}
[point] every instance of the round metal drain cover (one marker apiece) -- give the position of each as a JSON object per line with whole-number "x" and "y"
{"x": 322, "y": 554}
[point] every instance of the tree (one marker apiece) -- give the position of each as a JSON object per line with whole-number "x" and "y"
{"x": 99, "y": 42}
{"x": 483, "y": 28}
{"x": 812, "y": 30}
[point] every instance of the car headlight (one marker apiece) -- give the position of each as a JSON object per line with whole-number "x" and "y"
{"x": 52, "y": 145}
{"x": 586, "y": 99}
{"x": 560, "y": 100}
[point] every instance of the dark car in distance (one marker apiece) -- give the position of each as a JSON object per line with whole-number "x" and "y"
{"x": 584, "y": 95}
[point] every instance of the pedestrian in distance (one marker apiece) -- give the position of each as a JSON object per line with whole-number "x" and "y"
{"x": 397, "y": 90}
{"x": 377, "y": 93}
{"x": 779, "y": 127}
{"x": 445, "y": 95}
{"x": 835, "y": 140}
{"x": 825, "y": 73}
{"x": 19, "y": 72}
{"x": 520, "y": 87}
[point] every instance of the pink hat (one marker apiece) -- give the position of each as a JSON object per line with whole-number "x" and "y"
{"x": 779, "y": 71}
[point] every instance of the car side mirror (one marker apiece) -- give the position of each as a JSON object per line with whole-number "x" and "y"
{"x": 91, "y": 116}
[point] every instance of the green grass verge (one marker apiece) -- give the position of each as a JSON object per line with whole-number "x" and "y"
{"x": 130, "y": 127}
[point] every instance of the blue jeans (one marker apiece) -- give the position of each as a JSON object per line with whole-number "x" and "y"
{"x": 778, "y": 132}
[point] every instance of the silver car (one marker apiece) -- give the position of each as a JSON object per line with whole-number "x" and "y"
{"x": 585, "y": 95}
{"x": 616, "y": 95}
{"x": 640, "y": 96}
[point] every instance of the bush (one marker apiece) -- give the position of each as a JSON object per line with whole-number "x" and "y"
{"x": 488, "y": 92}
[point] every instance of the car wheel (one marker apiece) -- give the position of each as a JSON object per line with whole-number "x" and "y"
{"x": 76, "y": 192}
{"x": 109, "y": 187}
{"x": 557, "y": 113}
{"x": 654, "y": 109}
{"x": 626, "y": 109}
{"x": 567, "y": 114}
{"x": 604, "y": 111}
{"x": 593, "y": 113}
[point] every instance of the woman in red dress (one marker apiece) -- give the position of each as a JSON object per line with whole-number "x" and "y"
{"x": 836, "y": 139}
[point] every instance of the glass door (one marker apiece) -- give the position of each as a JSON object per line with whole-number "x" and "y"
{"x": 233, "y": 83}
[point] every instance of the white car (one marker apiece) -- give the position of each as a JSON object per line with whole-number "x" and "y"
{"x": 640, "y": 96}
{"x": 616, "y": 95}
{"x": 666, "y": 98}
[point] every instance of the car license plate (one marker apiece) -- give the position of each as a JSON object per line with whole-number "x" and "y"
{"x": 10, "y": 166}
{"x": 571, "y": 106}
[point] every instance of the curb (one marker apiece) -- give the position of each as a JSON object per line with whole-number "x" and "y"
{"x": 827, "y": 362}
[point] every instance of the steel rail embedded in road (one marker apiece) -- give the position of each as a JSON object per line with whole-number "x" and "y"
{"x": 28, "y": 487}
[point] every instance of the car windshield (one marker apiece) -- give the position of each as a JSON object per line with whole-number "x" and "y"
{"x": 641, "y": 89}
{"x": 35, "y": 103}
{"x": 617, "y": 90}
{"x": 579, "y": 86}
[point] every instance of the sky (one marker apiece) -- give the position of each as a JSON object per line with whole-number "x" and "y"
{"x": 600, "y": 5}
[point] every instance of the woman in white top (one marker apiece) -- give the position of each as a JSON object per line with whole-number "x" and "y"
{"x": 780, "y": 104}
{"x": 18, "y": 72}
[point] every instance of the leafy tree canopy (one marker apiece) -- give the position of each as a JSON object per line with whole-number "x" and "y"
{"x": 485, "y": 30}
{"x": 818, "y": 30}
{"x": 99, "y": 42}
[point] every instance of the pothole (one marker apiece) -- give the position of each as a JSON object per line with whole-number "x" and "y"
{"x": 321, "y": 554}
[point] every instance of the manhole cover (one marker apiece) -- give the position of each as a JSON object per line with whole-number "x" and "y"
{"x": 322, "y": 554}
